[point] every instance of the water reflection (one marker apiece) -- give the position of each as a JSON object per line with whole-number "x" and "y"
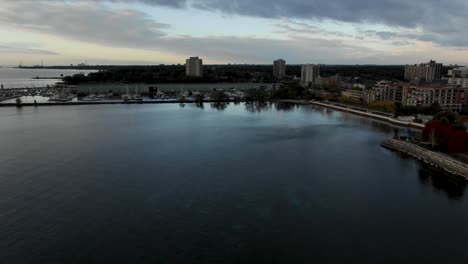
{"x": 200, "y": 105}
{"x": 237, "y": 181}
{"x": 220, "y": 106}
{"x": 453, "y": 187}
{"x": 28, "y": 100}
{"x": 256, "y": 107}
{"x": 375, "y": 125}
{"x": 282, "y": 106}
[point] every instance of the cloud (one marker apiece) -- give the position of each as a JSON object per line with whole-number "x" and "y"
{"x": 126, "y": 28}
{"x": 300, "y": 39}
{"x": 84, "y": 22}
{"x": 294, "y": 28}
{"x": 401, "y": 43}
{"x": 262, "y": 50}
{"x": 442, "y": 22}
{"x": 24, "y": 48}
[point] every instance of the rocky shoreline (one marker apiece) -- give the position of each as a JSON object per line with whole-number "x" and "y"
{"x": 435, "y": 159}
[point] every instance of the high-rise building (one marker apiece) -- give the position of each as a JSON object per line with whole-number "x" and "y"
{"x": 194, "y": 67}
{"x": 279, "y": 68}
{"x": 428, "y": 72}
{"x": 309, "y": 73}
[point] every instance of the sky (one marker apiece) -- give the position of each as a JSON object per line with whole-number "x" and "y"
{"x": 63, "y": 32}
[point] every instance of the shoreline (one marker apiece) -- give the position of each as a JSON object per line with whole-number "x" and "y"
{"x": 434, "y": 159}
{"x": 111, "y": 103}
{"x": 369, "y": 114}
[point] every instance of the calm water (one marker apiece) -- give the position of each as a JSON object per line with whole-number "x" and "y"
{"x": 235, "y": 184}
{"x": 22, "y": 78}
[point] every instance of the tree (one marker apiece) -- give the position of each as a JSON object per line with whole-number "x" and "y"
{"x": 445, "y": 133}
{"x": 19, "y": 102}
{"x": 219, "y": 96}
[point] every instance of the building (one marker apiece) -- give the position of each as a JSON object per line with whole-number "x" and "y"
{"x": 356, "y": 94}
{"x": 194, "y": 67}
{"x": 428, "y": 72}
{"x": 386, "y": 91}
{"x": 331, "y": 82}
{"x": 309, "y": 74}
{"x": 279, "y": 68}
{"x": 449, "y": 97}
{"x": 458, "y": 77}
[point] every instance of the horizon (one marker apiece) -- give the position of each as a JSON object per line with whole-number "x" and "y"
{"x": 153, "y": 32}
{"x": 219, "y": 64}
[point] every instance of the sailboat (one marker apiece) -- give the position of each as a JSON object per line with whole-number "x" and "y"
{"x": 137, "y": 97}
{"x": 91, "y": 97}
{"x": 128, "y": 98}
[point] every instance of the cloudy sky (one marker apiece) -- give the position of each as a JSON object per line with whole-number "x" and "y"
{"x": 233, "y": 31}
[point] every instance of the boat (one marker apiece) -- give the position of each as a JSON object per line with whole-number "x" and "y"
{"x": 132, "y": 98}
{"x": 91, "y": 97}
{"x": 62, "y": 98}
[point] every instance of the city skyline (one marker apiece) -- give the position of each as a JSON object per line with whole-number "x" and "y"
{"x": 236, "y": 32}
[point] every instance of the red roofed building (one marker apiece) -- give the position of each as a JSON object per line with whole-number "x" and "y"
{"x": 449, "y": 97}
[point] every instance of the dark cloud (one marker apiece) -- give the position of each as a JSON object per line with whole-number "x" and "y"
{"x": 127, "y": 28}
{"x": 443, "y": 22}
{"x": 112, "y": 26}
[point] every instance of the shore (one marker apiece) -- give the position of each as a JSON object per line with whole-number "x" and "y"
{"x": 431, "y": 158}
{"x": 112, "y": 102}
{"x": 434, "y": 159}
{"x": 370, "y": 114}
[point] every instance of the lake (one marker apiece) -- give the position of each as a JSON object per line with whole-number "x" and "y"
{"x": 23, "y": 78}
{"x": 218, "y": 184}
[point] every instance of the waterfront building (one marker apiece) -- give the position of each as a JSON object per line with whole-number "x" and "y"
{"x": 449, "y": 97}
{"x": 194, "y": 67}
{"x": 309, "y": 74}
{"x": 328, "y": 82}
{"x": 357, "y": 95}
{"x": 357, "y": 92}
{"x": 279, "y": 68}
{"x": 428, "y": 72}
{"x": 387, "y": 91}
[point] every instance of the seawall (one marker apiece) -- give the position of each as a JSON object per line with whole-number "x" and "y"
{"x": 370, "y": 114}
{"x": 435, "y": 159}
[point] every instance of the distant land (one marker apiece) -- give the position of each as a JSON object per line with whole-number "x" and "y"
{"x": 229, "y": 73}
{"x": 223, "y": 73}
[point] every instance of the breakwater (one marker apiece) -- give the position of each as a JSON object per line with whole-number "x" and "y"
{"x": 435, "y": 159}
{"x": 370, "y": 114}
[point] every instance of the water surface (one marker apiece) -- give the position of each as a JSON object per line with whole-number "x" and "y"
{"x": 12, "y": 78}
{"x": 219, "y": 184}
